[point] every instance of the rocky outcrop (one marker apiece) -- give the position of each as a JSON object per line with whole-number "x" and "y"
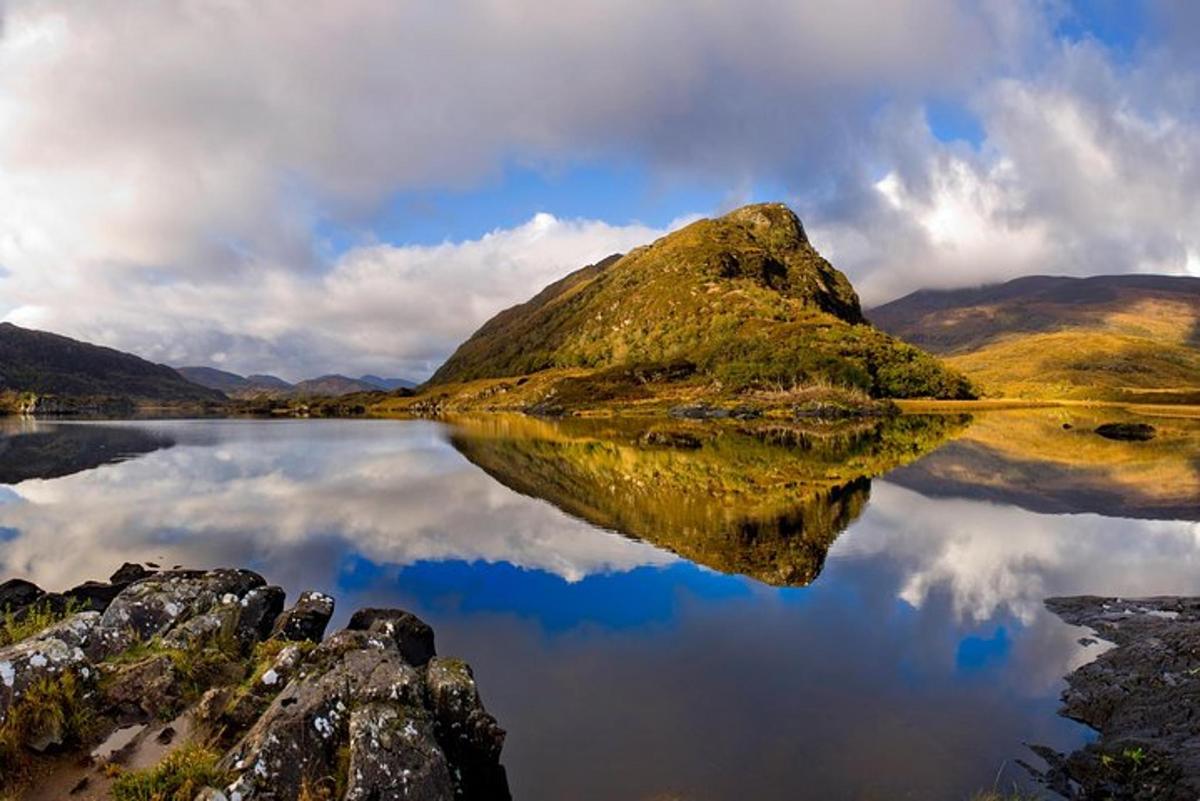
{"x": 369, "y": 713}
{"x": 306, "y": 621}
{"x": 1143, "y": 697}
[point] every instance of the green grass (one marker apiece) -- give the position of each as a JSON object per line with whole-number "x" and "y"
{"x": 36, "y": 619}
{"x": 55, "y": 703}
{"x": 178, "y": 777}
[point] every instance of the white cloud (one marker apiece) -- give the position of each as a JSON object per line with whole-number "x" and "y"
{"x": 393, "y": 493}
{"x": 379, "y": 308}
{"x": 167, "y": 170}
{"x": 1005, "y": 560}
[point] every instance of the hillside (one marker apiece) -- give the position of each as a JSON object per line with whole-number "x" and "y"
{"x": 734, "y": 304}
{"x": 44, "y": 364}
{"x": 1120, "y": 338}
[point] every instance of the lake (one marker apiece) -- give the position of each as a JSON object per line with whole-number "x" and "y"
{"x": 668, "y": 610}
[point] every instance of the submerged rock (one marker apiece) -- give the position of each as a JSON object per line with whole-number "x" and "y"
{"x": 1143, "y": 697}
{"x": 1128, "y": 432}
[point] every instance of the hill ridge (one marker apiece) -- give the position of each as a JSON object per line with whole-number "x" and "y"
{"x": 745, "y": 299}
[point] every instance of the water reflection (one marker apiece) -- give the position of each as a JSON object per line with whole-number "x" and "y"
{"x": 31, "y": 449}
{"x": 1049, "y": 460}
{"x": 761, "y": 499}
{"x": 597, "y": 604}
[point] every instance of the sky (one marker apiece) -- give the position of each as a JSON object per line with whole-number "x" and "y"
{"x": 355, "y": 186}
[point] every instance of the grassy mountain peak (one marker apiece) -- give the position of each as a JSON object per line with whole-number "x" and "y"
{"x": 744, "y": 299}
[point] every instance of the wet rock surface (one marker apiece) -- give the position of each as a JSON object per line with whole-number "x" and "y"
{"x": 1143, "y": 697}
{"x": 369, "y": 713}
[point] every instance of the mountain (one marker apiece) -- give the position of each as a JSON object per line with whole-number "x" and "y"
{"x": 258, "y": 385}
{"x": 728, "y": 305}
{"x": 268, "y": 382}
{"x": 387, "y": 384}
{"x": 1119, "y": 338}
{"x": 234, "y": 385}
{"x": 331, "y": 386}
{"x": 213, "y": 378}
{"x": 43, "y": 364}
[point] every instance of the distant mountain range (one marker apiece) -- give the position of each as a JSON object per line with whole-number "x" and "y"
{"x": 1133, "y": 338}
{"x": 42, "y": 365}
{"x": 253, "y": 386}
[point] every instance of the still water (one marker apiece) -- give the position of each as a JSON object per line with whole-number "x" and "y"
{"x": 669, "y": 610}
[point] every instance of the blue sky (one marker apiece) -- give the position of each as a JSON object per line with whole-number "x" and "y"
{"x": 357, "y": 189}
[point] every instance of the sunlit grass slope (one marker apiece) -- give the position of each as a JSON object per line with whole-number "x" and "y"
{"x": 1132, "y": 339}
{"x": 730, "y": 304}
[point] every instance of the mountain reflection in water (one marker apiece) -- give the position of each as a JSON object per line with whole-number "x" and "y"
{"x": 632, "y": 609}
{"x": 756, "y": 498}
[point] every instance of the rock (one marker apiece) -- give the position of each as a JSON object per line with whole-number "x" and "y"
{"x": 412, "y": 636}
{"x": 16, "y": 594}
{"x": 94, "y": 595}
{"x": 409, "y": 732}
{"x": 298, "y": 737}
{"x": 394, "y": 754}
{"x": 129, "y": 573}
{"x": 372, "y": 704}
{"x": 699, "y": 411}
{"x": 143, "y": 690}
{"x": 671, "y": 439}
{"x": 306, "y": 620}
{"x": 471, "y": 738}
{"x": 261, "y": 607}
{"x": 1143, "y": 697}
{"x": 152, "y": 606}
{"x": 1128, "y": 432}
{"x": 49, "y": 655}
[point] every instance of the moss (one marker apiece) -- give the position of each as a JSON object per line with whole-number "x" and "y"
{"x": 178, "y": 777}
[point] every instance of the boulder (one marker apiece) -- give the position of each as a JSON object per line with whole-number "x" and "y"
{"x": 152, "y": 606}
{"x": 471, "y": 738}
{"x": 261, "y": 607}
{"x": 45, "y": 658}
{"x": 408, "y": 732}
{"x": 306, "y": 620}
{"x": 412, "y": 636}
{"x": 94, "y": 596}
{"x": 129, "y": 573}
{"x": 16, "y": 594}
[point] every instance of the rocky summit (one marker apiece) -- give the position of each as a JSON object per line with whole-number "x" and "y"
{"x": 201, "y": 684}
